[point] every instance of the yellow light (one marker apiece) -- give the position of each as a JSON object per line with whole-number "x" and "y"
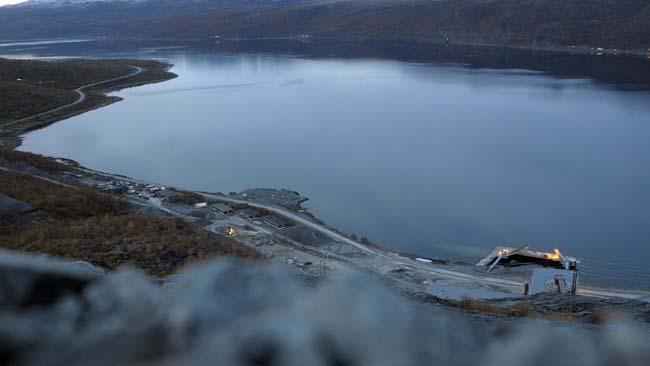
{"x": 553, "y": 256}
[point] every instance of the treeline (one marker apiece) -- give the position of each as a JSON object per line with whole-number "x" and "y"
{"x": 44, "y": 163}
{"x": 61, "y": 74}
{"x": 20, "y": 99}
{"x": 539, "y": 23}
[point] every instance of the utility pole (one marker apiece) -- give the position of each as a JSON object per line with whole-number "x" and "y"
{"x": 324, "y": 261}
{"x": 576, "y": 278}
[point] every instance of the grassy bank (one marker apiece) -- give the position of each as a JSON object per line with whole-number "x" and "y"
{"x": 80, "y": 222}
{"x": 83, "y": 224}
{"x": 34, "y": 160}
{"x": 31, "y": 87}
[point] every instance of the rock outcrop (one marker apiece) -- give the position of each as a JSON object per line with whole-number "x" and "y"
{"x": 9, "y": 205}
{"x": 227, "y": 313}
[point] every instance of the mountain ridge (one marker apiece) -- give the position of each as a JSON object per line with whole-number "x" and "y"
{"x": 622, "y": 24}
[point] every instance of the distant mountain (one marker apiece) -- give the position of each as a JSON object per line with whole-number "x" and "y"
{"x": 621, "y": 24}
{"x": 67, "y": 2}
{"x": 166, "y": 3}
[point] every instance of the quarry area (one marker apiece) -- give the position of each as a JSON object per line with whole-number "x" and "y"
{"x": 273, "y": 223}
{"x": 317, "y": 297}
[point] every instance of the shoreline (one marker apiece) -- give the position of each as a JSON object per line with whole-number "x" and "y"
{"x": 314, "y": 259}
{"x": 90, "y": 97}
{"x": 589, "y": 50}
{"x": 393, "y": 258}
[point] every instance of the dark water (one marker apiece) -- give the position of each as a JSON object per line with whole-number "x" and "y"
{"x": 442, "y": 151}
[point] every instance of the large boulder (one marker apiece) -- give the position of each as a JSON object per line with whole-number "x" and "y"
{"x": 225, "y": 313}
{"x": 9, "y": 205}
{"x": 28, "y": 280}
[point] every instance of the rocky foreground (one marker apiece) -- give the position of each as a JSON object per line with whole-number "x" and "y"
{"x": 224, "y": 313}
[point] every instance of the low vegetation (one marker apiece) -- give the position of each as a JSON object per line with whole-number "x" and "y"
{"x": 73, "y": 73}
{"x": 185, "y": 198}
{"x": 538, "y": 23}
{"x": 43, "y": 163}
{"x": 103, "y": 230}
{"x": 29, "y": 87}
{"x": 565, "y": 314}
{"x": 517, "y": 310}
{"x": 558, "y": 308}
{"x": 20, "y": 99}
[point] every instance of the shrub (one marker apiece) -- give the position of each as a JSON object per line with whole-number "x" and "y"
{"x": 518, "y": 310}
{"x": 186, "y": 198}
{"x": 94, "y": 227}
{"x": 35, "y": 160}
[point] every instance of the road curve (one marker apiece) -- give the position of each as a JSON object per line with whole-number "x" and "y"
{"x": 80, "y": 99}
{"x": 293, "y": 217}
{"x": 592, "y": 292}
{"x": 334, "y": 235}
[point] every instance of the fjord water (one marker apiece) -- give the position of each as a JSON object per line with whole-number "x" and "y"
{"x": 447, "y": 154}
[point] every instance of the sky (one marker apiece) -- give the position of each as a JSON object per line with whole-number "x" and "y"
{"x": 9, "y": 2}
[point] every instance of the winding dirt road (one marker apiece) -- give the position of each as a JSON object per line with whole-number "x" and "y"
{"x": 80, "y": 99}
{"x": 592, "y": 292}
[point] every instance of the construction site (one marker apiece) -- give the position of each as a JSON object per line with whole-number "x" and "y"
{"x": 273, "y": 222}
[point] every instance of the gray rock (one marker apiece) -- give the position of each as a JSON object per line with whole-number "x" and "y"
{"x": 27, "y": 280}
{"x": 9, "y": 205}
{"x": 225, "y": 313}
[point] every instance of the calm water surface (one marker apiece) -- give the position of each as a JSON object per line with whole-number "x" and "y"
{"x": 442, "y": 154}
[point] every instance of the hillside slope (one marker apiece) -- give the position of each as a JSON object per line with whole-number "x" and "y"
{"x": 28, "y": 87}
{"x": 621, "y": 24}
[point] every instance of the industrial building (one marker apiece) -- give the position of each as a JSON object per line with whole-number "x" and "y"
{"x": 249, "y": 213}
{"x": 275, "y": 221}
{"x": 223, "y": 209}
{"x": 552, "y": 271}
